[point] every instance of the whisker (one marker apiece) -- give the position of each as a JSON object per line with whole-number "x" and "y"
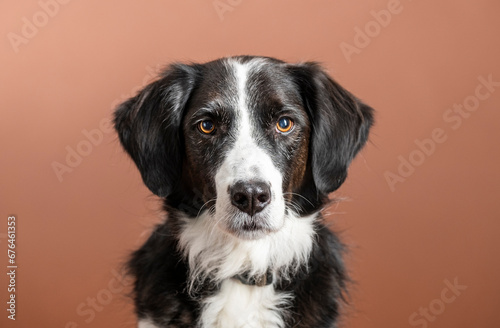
{"x": 295, "y": 207}
{"x": 299, "y": 195}
{"x": 206, "y": 203}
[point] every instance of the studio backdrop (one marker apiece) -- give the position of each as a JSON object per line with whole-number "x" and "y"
{"x": 419, "y": 212}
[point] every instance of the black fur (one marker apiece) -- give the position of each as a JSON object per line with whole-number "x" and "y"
{"x": 148, "y": 127}
{"x": 340, "y": 125}
{"x": 157, "y": 129}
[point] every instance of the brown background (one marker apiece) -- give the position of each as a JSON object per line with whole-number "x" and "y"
{"x": 440, "y": 223}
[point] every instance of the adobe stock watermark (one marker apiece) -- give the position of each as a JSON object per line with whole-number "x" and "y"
{"x": 437, "y": 306}
{"x": 88, "y": 309}
{"x": 364, "y": 36}
{"x": 92, "y": 138}
{"x": 453, "y": 118}
{"x": 223, "y": 6}
{"x": 31, "y": 26}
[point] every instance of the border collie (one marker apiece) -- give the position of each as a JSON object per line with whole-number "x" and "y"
{"x": 243, "y": 152}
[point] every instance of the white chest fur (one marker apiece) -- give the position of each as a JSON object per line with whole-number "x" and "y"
{"x": 241, "y": 306}
{"x": 217, "y": 256}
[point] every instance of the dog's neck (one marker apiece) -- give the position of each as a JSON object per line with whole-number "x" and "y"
{"x": 260, "y": 280}
{"x": 214, "y": 255}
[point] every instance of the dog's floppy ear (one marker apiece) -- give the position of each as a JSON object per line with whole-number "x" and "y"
{"x": 340, "y": 125}
{"x": 149, "y": 124}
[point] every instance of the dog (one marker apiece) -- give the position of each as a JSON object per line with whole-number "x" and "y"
{"x": 243, "y": 152}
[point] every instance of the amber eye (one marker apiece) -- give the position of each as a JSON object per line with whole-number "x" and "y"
{"x": 206, "y": 126}
{"x": 284, "y": 125}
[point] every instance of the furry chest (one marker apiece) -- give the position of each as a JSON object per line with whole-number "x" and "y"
{"x": 241, "y": 306}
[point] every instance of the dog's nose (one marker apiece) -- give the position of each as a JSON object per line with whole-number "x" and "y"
{"x": 250, "y": 197}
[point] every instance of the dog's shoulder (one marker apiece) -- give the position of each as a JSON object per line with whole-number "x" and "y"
{"x": 160, "y": 280}
{"x": 320, "y": 285}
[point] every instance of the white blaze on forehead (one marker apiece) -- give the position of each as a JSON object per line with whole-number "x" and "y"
{"x": 252, "y": 159}
{"x": 244, "y": 135}
{"x": 242, "y": 71}
{"x": 244, "y": 125}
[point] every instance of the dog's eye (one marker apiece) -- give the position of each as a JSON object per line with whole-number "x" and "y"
{"x": 206, "y": 126}
{"x": 284, "y": 125}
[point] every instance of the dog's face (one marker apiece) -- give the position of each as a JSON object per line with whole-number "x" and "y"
{"x": 248, "y": 139}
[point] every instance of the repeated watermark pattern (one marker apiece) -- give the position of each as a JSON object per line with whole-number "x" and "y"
{"x": 32, "y": 25}
{"x": 224, "y": 6}
{"x": 363, "y": 36}
{"x": 437, "y": 306}
{"x": 453, "y": 118}
{"x": 88, "y": 309}
{"x": 74, "y": 156}
{"x": 94, "y": 137}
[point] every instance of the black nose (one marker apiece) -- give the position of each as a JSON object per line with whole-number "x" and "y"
{"x": 250, "y": 197}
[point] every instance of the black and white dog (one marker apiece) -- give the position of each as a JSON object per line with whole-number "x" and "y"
{"x": 243, "y": 151}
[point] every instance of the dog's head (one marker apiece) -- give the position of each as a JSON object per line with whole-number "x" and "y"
{"x": 248, "y": 139}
